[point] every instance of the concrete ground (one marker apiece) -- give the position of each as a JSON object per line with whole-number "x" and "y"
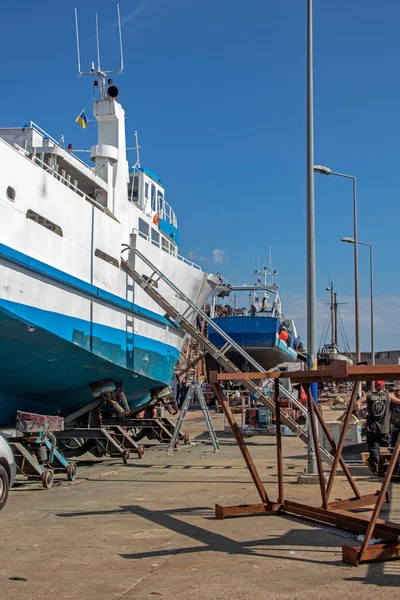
{"x": 147, "y": 529}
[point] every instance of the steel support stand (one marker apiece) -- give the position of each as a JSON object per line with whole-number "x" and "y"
{"x": 340, "y": 445}
{"x": 279, "y": 456}
{"x": 365, "y": 552}
{"x": 311, "y": 412}
{"x": 342, "y": 463}
{"x": 241, "y": 443}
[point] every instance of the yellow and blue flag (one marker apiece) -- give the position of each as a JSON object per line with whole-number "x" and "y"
{"x": 82, "y": 120}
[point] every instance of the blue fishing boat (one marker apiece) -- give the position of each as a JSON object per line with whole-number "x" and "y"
{"x": 260, "y": 329}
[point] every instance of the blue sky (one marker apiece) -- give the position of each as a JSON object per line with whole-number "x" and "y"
{"x": 217, "y": 91}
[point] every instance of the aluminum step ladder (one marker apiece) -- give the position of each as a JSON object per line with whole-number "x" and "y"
{"x": 177, "y": 319}
{"x": 194, "y": 389}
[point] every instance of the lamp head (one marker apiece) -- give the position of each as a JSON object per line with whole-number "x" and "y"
{"x": 349, "y": 240}
{"x": 321, "y": 169}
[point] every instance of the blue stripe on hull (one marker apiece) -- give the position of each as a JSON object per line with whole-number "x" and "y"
{"x": 46, "y": 359}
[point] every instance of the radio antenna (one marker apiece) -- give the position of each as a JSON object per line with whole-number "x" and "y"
{"x": 101, "y": 74}
{"x": 121, "y": 68}
{"x": 98, "y": 44}
{"x": 77, "y": 42}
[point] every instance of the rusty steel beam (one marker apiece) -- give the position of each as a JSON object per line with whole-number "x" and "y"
{"x": 358, "y": 502}
{"x": 311, "y": 412}
{"x": 241, "y": 443}
{"x": 381, "y": 499}
{"x": 353, "y": 373}
{"x": 376, "y": 552}
{"x": 221, "y": 512}
{"x": 339, "y": 449}
{"x": 342, "y": 519}
{"x": 279, "y": 454}
{"x": 342, "y": 463}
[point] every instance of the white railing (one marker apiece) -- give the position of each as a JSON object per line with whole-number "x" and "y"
{"x": 55, "y": 173}
{"x": 171, "y": 251}
{"x": 167, "y": 213}
{"x": 56, "y": 143}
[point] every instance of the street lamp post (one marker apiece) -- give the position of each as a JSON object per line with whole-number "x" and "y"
{"x": 326, "y": 171}
{"x": 371, "y": 288}
{"x": 311, "y": 268}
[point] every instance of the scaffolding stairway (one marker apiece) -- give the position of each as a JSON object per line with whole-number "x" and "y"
{"x": 177, "y": 319}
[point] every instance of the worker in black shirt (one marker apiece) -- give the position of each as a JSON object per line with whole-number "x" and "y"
{"x": 378, "y": 421}
{"x": 395, "y": 419}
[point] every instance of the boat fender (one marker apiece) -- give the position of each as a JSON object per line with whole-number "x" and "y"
{"x": 284, "y": 336}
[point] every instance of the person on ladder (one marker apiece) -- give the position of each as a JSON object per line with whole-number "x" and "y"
{"x": 378, "y": 421}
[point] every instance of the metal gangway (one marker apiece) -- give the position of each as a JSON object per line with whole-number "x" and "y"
{"x": 148, "y": 284}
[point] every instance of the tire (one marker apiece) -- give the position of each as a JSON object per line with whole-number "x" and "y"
{"x": 72, "y": 471}
{"x": 140, "y": 451}
{"x": 4, "y": 486}
{"x": 126, "y": 456}
{"x": 47, "y": 479}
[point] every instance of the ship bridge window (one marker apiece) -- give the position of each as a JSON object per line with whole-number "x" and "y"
{"x": 143, "y": 229}
{"x": 146, "y": 190}
{"x": 33, "y": 216}
{"x": 155, "y": 237}
{"x": 160, "y": 202}
{"x": 153, "y": 197}
{"x": 135, "y": 189}
{"x": 11, "y": 193}
{"x": 164, "y": 244}
{"x": 107, "y": 258}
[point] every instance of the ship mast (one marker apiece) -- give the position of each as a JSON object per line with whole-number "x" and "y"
{"x": 334, "y": 316}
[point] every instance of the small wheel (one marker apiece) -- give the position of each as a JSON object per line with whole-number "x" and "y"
{"x": 47, "y": 479}
{"x": 186, "y": 439}
{"x": 140, "y": 450}
{"x": 176, "y": 443}
{"x": 126, "y": 456}
{"x": 72, "y": 471}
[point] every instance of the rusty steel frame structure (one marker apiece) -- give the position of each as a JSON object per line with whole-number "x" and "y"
{"x": 336, "y": 513}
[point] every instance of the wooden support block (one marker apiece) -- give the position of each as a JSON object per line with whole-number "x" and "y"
{"x": 221, "y": 512}
{"x": 372, "y": 553}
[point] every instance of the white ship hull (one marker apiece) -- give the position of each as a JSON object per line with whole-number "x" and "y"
{"x": 68, "y": 316}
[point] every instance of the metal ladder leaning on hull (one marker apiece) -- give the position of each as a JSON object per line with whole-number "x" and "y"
{"x": 183, "y": 320}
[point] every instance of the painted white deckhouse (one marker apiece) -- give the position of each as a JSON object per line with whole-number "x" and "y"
{"x": 68, "y": 314}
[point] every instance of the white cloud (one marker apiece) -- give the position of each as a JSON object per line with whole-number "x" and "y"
{"x": 219, "y": 257}
{"x": 134, "y": 13}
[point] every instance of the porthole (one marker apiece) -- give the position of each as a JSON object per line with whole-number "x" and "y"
{"x": 11, "y": 193}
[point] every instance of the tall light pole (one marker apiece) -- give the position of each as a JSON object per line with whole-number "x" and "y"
{"x": 371, "y": 288}
{"x": 327, "y": 171}
{"x": 311, "y": 268}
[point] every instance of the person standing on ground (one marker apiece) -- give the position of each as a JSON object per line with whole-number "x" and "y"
{"x": 378, "y": 421}
{"x": 395, "y": 419}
